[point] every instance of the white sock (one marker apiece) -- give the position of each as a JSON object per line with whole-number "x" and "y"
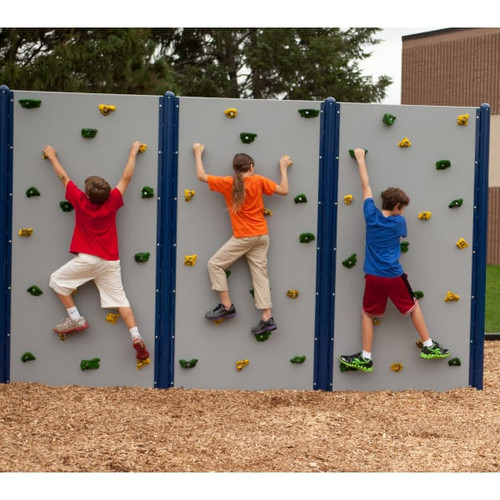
{"x": 134, "y": 332}
{"x": 366, "y": 355}
{"x": 73, "y": 313}
{"x": 428, "y": 343}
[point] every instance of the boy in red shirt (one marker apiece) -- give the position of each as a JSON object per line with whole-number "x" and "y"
{"x": 95, "y": 245}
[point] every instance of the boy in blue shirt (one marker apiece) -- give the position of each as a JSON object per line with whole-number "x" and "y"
{"x": 384, "y": 275}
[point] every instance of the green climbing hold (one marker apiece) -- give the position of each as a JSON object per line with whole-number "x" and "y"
{"x": 148, "y": 192}
{"x": 262, "y": 337}
{"x": 89, "y": 133}
{"x": 32, "y": 191}
{"x": 142, "y": 256}
{"x": 443, "y": 164}
{"x": 228, "y": 273}
{"x": 298, "y": 359}
{"x": 455, "y": 362}
{"x": 66, "y": 206}
{"x": 456, "y": 203}
{"x": 388, "y": 119}
{"x": 309, "y": 113}
{"x": 405, "y": 246}
{"x": 351, "y": 152}
{"x": 300, "y": 198}
{"x": 252, "y": 292}
{"x": 27, "y": 356}
{"x": 247, "y": 137}
{"x": 34, "y": 290}
{"x": 188, "y": 364}
{"x": 30, "y": 103}
{"x": 350, "y": 261}
{"x": 418, "y": 294}
{"x": 306, "y": 237}
{"x": 90, "y": 364}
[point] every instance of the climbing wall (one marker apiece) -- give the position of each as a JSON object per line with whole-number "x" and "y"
{"x": 59, "y": 121}
{"x": 436, "y": 265}
{"x": 271, "y": 129}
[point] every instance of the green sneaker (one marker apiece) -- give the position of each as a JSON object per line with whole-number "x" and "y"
{"x": 357, "y": 362}
{"x": 435, "y": 351}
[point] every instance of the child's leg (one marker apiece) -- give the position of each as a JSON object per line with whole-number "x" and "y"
{"x": 419, "y": 323}
{"x": 366, "y": 333}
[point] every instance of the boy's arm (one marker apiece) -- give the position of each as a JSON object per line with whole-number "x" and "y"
{"x": 200, "y": 169}
{"x": 51, "y": 154}
{"x": 282, "y": 187}
{"x": 128, "y": 171}
{"x": 363, "y": 173}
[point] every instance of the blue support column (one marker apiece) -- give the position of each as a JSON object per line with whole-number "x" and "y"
{"x": 6, "y": 145}
{"x": 166, "y": 240}
{"x": 327, "y": 241}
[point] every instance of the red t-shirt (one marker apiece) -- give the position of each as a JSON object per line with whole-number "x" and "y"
{"x": 95, "y": 225}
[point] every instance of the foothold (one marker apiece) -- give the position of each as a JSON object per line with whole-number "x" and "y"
{"x": 241, "y": 363}
{"x": 351, "y": 152}
{"x": 252, "y": 292}
{"x": 388, "y": 119}
{"x": 308, "y": 113}
{"x": 89, "y": 133}
{"x": 188, "y": 364}
{"x": 25, "y": 231}
{"x": 190, "y": 260}
{"x": 142, "y": 148}
{"x": 147, "y": 192}
{"x": 35, "y": 291}
{"x": 188, "y": 194}
{"x": 141, "y": 363}
{"x": 262, "y": 337}
{"x": 451, "y": 297}
{"x": 425, "y": 215}
{"x": 228, "y": 273}
{"x": 376, "y": 321}
{"x": 30, "y": 103}
{"x": 456, "y": 203}
{"x": 298, "y": 359}
{"x": 268, "y": 212}
{"x": 90, "y": 364}
{"x": 443, "y": 164}
{"x": 454, "y": 362}
{"x": 231, "y": 112}
{"x": 348, "y": 199}
{"x": 27, "y": 356}
{"x": 106, "y": 109}
{"x": 418, "y": 294}
{"x": 112, "y": 318}
{"x": 32, "y": 191}
{"x": 405, "y": 143}
{"x": 142, "y": 256}
{"x": 306, "y": 237}
{"x": 405, "y": 246}
{"x": 66, "y": 206}
{"x": 350, "y": 261}
{"x": 247, "y": 137}
{"x": 300, "y": 198}
{"x": 419, "y": 344}
{"x": 461, "y": 243}
{"x": 463, "y": 119}
{"x": 397, "y": 367}
{"x": 293, "y": 294}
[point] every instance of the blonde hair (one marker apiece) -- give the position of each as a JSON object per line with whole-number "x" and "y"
{"x": 241, "y": 164}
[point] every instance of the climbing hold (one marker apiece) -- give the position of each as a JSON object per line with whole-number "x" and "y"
{"x": 397, "y": 367}
{"x": 228, "y": 273}
{"x": 298, "y": 359}
{"x": 388, "y": 119}
{"x": 241, "y": 363}
{"x": 90, "y": 364}
{"x": 419, "y": 344}
{"x": 463, "y": 119}
{"x": 30, "y": 103}
{"x": 32, "y": 191}
{"x": 300, "y": 198}
{"x": 143, "y": 148}
{"x": 188, "y": 194}
{"x": 106, "y": 109}
{"x": 308, "y": 113}
{"x": 451, "y": 297}
{"x": 190, "y": 260}
{"x": 418, "y": 294}
{"x": 112, "y": 318}
{"x": 27, "y": 356}
{"x": 262, "y": 337}
{"x": 405, "y": 143}
{"x": 34, "y": 290}
{"x": 231, "y": 112}
{"x": 25, "y": 231}
{"x": 188, "y": 364}
{"x": 350, "y": 261}
{"x": 405, "y": 246}
{"x": 348, "y": 199}
{"x": 443, "y": 164}
{"x": 147, "y": 192}
{"x": 267, "y": 212}
{"x": 141, "y": 363}
{"x": 461, "y": 243}
{"x": 306, "y": 237}
{"x": 252, "y": 292}
{"x": 142, "y": 256}
{"x": 66, "y": 206}
{"x": 89, "y": 133}
{"x": 376, "y": 321}
{"x": 293, "y": 294}
{"x": 425, "y": 215}
{"x": 351, "y": 152}
{"x": 454, "y": 362}
{"x": 456, "y": 203}
{"x": 247, "y": 137}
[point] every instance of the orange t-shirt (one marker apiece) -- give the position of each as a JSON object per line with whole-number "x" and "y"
{"x": 250, "y": 220}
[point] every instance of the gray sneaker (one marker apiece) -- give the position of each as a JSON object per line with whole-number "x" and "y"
{"x": 67, "y": 325}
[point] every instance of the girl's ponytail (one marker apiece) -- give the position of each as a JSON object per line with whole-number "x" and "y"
{"x": 241, "y": 163}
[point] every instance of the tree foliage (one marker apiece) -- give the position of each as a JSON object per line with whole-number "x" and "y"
{"x": 259, "y": 63}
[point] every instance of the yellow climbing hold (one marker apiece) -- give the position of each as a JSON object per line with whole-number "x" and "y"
{"x": 190, "y": 260}
{"x": 461, "y": 243}
{"x": 231, "y": 112}
{"x": 143, "y": 148}
{"x": 463, "y": 119}
{"x": 142, "y": 362}
{"x": 405, "y": 143}
{"x": 451, "y": 297}
{"x": 397, "y": 367}
{"x": 268, "y": 212}
{"x": 188, "y": 194}
{"x": 425, "y": 215}
{"x": 25, "y": 231}
{"x": 241, "y": 363}
{"x": 105, "y": 109}
{"x": 293, "y": 294}
{"x": 112, "y": 318}
{"x": 348, "y": 199}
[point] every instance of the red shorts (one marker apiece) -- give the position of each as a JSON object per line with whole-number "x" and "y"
{"x": 378, "y": 290}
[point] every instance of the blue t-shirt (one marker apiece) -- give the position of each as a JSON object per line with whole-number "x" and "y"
{"x": 382, "y": 250}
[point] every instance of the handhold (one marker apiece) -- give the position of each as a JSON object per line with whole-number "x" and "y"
{"x": 142, "y": 256}
{"x": 293, "y": 294}
{"x": 268, "y": 212}
{"x": 188, "y": 364}
{"x": 443, "y": 164}
{"x": 147, "y": 192}
{"x": 141, "y": 363}
{"x": 397, "y": 367}
{"x": 463, "y": 119}
{"x": 456, "y": 203}
{"x": 188, "y": 194}
{"x": 241, "y": 363}
{"x": 351, "y": 152}
{"x": 405, "y": 143}
{"x": 348, "y": 199}
{"x": 25, "y": 231}
{"x": 89, "y": 133}
{"x": 30, "y": 103}
{"x": 32, "y": 191}
{"x": 106, "y": 109}
{"x": 300, "y": 198}
{"x": 425, "y": 215}
{"x": 66, "y": 206}
{"x": 262, "y": 337}
{"x": 27, "y": 356}
{"x": 247, "y": 137}
{"x": 190, "y": 260}
{"x": 377, "y": 321}
{"x": 451, "y": 297}
{"x": 112, "y": 318}
{"x": 142, "y": 148}
{"x": 454, "y": 362}
{"x": 308, "y": 113}
{"x": 298, "y": 359}
{"x": 405, "y": 246}
{"x": 90, "y": 364}
{"x": 388, "y": 119}
{"x": 419, "y": 344}
{"x": 306, "y": 237}
{"x": 34, "y": 290}
{"x": 228, "y": 272}
{"x": 461, "y": 243}
{"x": 350, "y": 261}
{"x": 418, "y": 294}
{"x": 231, "y": 112}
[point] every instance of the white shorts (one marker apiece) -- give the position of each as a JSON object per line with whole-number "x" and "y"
{"x": 83, "y": 268}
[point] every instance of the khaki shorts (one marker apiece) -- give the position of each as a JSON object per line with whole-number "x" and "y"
{"x": 106, "y": 274}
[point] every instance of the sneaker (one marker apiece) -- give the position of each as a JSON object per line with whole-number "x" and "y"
{"x": 435, "y": 351}
{"x": 140, "y": 347}
{"x": 68, "y": 325}
{"x": 265, "y": 326}
{"x": 357, "y": 362}
{"x": 220, "y": 313}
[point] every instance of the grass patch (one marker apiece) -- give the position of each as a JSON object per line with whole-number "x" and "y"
{"x": 492, "y": 299}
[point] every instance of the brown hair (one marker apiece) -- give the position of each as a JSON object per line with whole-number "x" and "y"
{"x": 394, "y": 197}
{"x": 97, "y": 189}
{"x": 241, "y": 164}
